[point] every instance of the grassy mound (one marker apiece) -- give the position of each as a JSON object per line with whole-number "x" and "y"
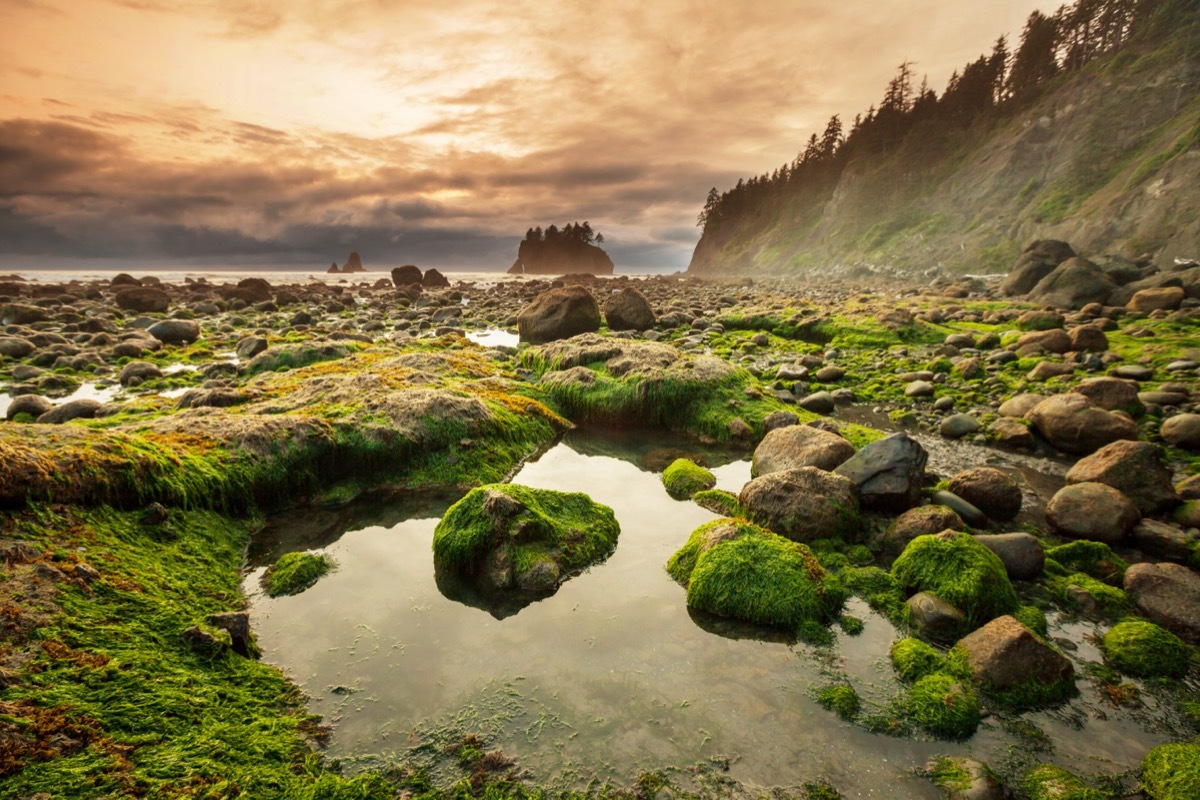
{"x": 295, "y": 572}
{"x": 944, "y": 706}
{"x": 960, "y": 571}
{"x": 1141, "y": 648}
{"x": 739, "y": 570}
{"x": 533, "y": 526}
{"x": 1172, "y": 771}
{"x": 840, "y": 699}
{"x": 684, "y": 478}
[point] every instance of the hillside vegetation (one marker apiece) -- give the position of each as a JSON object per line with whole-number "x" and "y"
{"x": 1088, "y": 130}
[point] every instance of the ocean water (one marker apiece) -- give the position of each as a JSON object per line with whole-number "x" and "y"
{"x": 175, "y": 275}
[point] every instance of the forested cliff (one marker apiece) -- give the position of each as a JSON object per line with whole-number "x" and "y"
{"x": 1087, "y": 129}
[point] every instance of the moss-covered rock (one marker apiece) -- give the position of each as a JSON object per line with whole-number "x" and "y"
{"x": 514, "y": 537}
{"x": 684, "y": 478}
{"x": 1048, "y": 782}
{"x": 1172, "y": 771}
{"x": 840, "y": 699}
{"x": 295, "y": 572}
{"x": 914, "y": 659}
{"x": 1082, "y": 592}
{"x": 736, "y": 569}
{"x": 718, "y": 501}
{"x": 1013, "y": 665}
{"x": 944, "y": 706}
{"x": 1139, "y": 647}
{"x": 959, "y": 570}
{"x": 1092, "y": 558}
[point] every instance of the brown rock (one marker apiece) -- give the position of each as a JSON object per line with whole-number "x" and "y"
{"x": 989, "y": 490}
{"x": 802, "y": 504}
{"x": 1166, "y": 297}
{"x": 1004, "y": 653}
{"x": 1091, "y": 511}
{"x": 1071, "y": 422}
{"x": 799, "y": 446}
{"x": 559, "y": 314}
{"x": 1168, "y": 594}
{"x": 1135, "y": 469}
{"x": 1111, "y": 394}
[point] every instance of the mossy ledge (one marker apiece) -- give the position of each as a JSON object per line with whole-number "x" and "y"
{"x": 295, "y": 572}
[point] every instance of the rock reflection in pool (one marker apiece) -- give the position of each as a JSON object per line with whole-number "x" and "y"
{"x": 613, "y": 674}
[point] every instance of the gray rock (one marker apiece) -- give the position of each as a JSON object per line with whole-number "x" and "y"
{"x": 136, "y": 372}
{"x": 32, "y": 404}
{"x": 1037, "y": 261}
{"x": 1021, "y": 405}
{"x": 175, "y": 331}
{"x": 237, "y": 623}
{"x": 559, "y": 314}
{"x": 968, "y": 512}
{"x": 1168, "y": 594}
{"x": 888, "y": 472}
{"x": 75, "y": 409}
{"x": 779, "y": 419}
{"x": 829, "y": 374}
{"x": 628, "y": 309}
{"x": 143, "y": 299}
{"x": 990, "y": 490}
{"x": 799, "y": 446}
{"x": 250, "y": 347}
{"x": 958, "y": 426}
{"x": 1023, "y": 555}
{"x": 1073, "y": 284}
{"x": 818, "y": 403}
{"x": 934, "y": 617}
{"x": 1134, "y": 372}
{"x": 919, "y": 389}
{"x": 15, "y": 347}
{"x": 1163, "y": 540}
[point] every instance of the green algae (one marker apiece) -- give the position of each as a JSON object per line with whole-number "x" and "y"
{"x": 1110, "y": 600}
{"x": 1091, "y": 558}
{"x": 959, "y": 570}
{"x": 944, "y": 706}
{"x": 1048, "y": 782}
{"x": 684, "y": 478}
{"x": 295, "y": 572}
{"x": 1172, "y": 771}
{"x": 1140, "y": 648}
{"x": 719, "y": 501}
{"x": 840, "y": 699}
{"x": 736, "y": 569}
{"x": 913, "y": 659}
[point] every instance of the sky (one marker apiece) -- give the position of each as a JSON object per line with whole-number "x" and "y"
{"x": 433, "y": 132}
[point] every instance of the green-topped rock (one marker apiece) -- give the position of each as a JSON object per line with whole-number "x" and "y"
{"x": 511, "y": 537}
{"x": 1172, "y": 771}
{"x": 944, "y": 706}
{"x": 1048, "y": 782}
{"x": 1014, "y": 665}
{"x": 1141, "y": 648}
{"x": 914, "y": 659}
{"x": 295, "y": 572}
{"x": 684, "y": 478}
{"x": 736, "y": 569}
{"x": 959, "y": 570}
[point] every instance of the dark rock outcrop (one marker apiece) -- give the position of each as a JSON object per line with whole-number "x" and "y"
{"x": 559, "y": 314}
{"x": 562, "y": 257}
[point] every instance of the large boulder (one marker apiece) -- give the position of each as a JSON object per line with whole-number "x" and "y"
{"x": 432, "y": 279}
{"x": 1037, "y": 261}
{"x": 1073, "y": 423}
{"x": 143, "y": 300}
{"x": 1164, "y": 297}
{"x": 628, "y": 310}
{"x": 1004, "y": 654}
{"x": 84, "y": 408}
{"x": 990, "y": 490}
{"x": 32, "y": 404}
{"x": 407, "y": 275}
{"x": 511, "y": 537}
{"x": 1168, "y": 594}
{"x": 175, "y": 331}
{"x": 799, "y": 446}
{"x": 1135, "y": 469}
{"x": 559, "y": 314}
{"x": 1073, "y": 284}
{"x": 1091, "y": 511}
{"x": 802, "y": 504}
{"x": 888, "y": 472}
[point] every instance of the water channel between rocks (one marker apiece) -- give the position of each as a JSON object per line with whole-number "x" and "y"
{"x": 612, "y": 675}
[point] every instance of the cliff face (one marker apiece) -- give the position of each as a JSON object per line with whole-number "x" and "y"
{"x": 560, "y": 258}
{"x": 1107, "y": 158}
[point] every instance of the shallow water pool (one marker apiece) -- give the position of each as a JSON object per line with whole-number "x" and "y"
{"x": 612, "y": 675}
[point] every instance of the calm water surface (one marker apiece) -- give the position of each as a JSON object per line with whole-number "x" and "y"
{"x": 612, "y": 675}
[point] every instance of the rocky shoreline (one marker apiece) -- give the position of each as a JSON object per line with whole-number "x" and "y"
{"x": 211, "y": 404}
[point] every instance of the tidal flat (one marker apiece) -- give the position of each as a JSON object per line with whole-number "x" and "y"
{"x": 220, "y": 503}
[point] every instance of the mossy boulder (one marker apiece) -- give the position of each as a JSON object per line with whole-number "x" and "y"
{"x": 295, "y": 572}
{"x": 1092, "y": 558}
{"x": 1141, "y": 648}
{"x": 736, "y": 569}
{"x": 944, "y": 706}
{"x": 1172, "y": 771}
{"x": 511, "y": 537}
{"x": 718, "y": 501}
{"x": 684, "y": 478}
{"x": 1014, "y": 665}
{"x": 840, "y": 699}
{"x": 1048, "y": 782}
{"x": 954, "y": 567}
{"x": 1082, "y": 592}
